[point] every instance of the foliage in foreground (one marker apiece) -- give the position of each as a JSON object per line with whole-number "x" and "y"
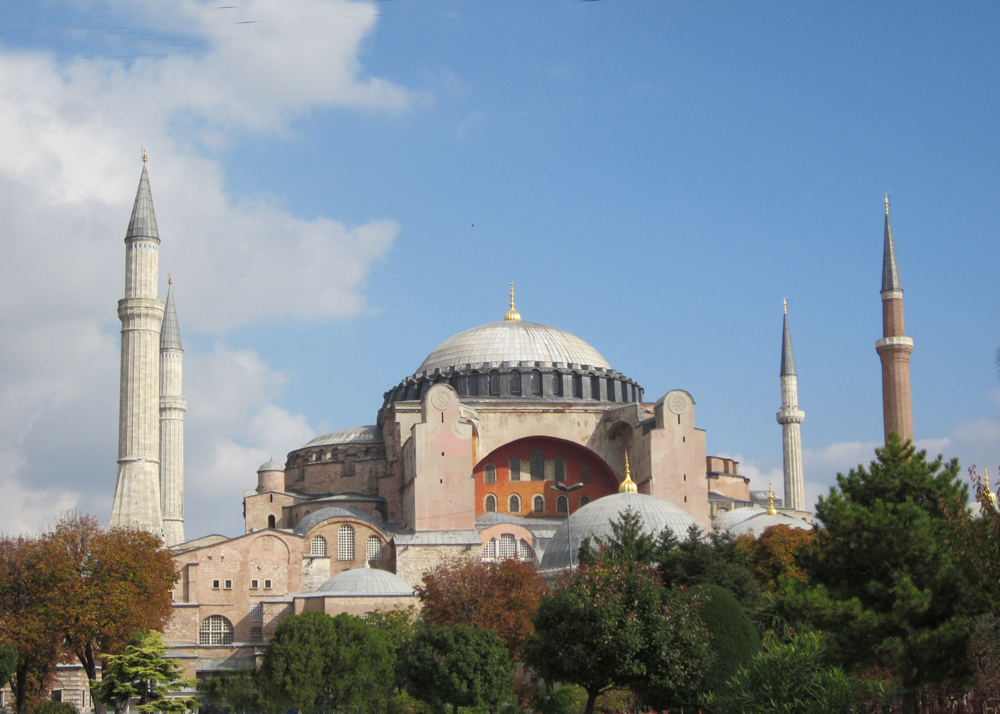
{"x": 142, "y": 672}
{"x": 733, "y": 638}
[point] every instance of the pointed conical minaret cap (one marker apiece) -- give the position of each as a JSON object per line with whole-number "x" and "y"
{"x": 628, "y": 485}
{"x": 771, "y": 510}
{"x": 142, "y": 224}
{"x": 787, "y": 355}
{"x": 890, "y": 269}
{"x": 170, "y": 333}
{"x": 512, "y": 314}
{"x": 987, "y": 493}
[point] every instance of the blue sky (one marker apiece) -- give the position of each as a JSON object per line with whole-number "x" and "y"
{"x": 341, "y": 186}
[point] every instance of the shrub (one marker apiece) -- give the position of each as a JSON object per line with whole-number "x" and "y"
{"x": 568, "y": 699}
{"x": 52, "y": 707}
{"x": 734, "y": 640}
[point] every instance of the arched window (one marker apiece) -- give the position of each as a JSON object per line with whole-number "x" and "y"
{"x": 514, "y": 504}
{"x": 515, "y": 468}
{"x": 491, "y": 504}
{"x": 595, "y": 387}
{"x": 562, "y": 505}
{"x": 215, "y": 630}
{"x": 490, "y": 474}
{"x": 584, "y": 474}
{"x": 537, "y": 464}
{"x": 611, "y": 390}
{"x": 515, "y": 383}
{"x": 474, "y": 384}
{"x": 373, "y": 548}
{"x": 584, "y": 501}
{"x": 560, "y": 469}
{"x": 538, "y": 504}
{"x": 577, "y": 386}
{"x": 345, "y": 543}
{"x": 556, "y": 384}
{"x": 317, "y": 546}
{"x": 270, "y": 521}
{"x": 490, "y": 550}
{"x": 524, "y": 550}
{"x": 494, "y": 384}
{"x": 507, "y": 547}
{"x": 349, "y": 468}
{"x": 536, "y": 383}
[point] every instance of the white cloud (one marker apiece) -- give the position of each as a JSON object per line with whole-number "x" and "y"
{"x": 68, "y": 174}
{"x": 466, "y": 126}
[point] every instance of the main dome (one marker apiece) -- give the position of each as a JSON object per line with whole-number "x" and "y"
{"x": 512, "y": 341}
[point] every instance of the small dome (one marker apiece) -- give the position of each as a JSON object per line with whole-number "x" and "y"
{"x": 755, "y": 527}
{"x": 595, "y": 520}
{"x": 726, "y": 520}
{"x": 271, "y": 465}
{"x": 325, "y": 514}
{"x": 355, "y": 435}
{"x": 366, "y": 582}
{"x": 512, "y": 341}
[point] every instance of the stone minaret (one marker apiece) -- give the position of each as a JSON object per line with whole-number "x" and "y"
{"x": 137, "y": 492}
{"x": 790, "y": 417}
{"x": 172, "y": 408}
{"x": 895, "y": 347}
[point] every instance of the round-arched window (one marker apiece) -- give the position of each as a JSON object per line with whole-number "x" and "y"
{"x": 514, "y": 504}
{"x": 215, "y": 630}
{"x": 345, "y": 543}
{"x": 318, "y": 546}
{"x": 515, "y": 383}
{"x": 562, "y": 505}
{"x": 538, "y": 504}
{"x": 490, "y": 474}
{"x": 373, "y": 548}
{"x": 491, "y": 504}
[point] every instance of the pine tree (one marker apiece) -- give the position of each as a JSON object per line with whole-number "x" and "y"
{"x": 142, "y": 672}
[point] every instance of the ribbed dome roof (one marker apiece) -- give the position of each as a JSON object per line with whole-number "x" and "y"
{"x": 755, "y": 527}
{"x": 366, "y": 582}
{"x": 354, "y": 435}
{"x": 728, "y": 519}
{"x": 324, "y": 514}
{"x": 512, "y": 341}
{"x": 271, "y": 465}
{"x": 595, "y": 520}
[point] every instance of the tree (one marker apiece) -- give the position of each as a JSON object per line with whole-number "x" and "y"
{"x": 733, "y": 638}
{"x": 29, "y": 616}
{"x": 318, "y": 664}
{"x": 501, "y": 596}
{"x": 884, "y": 580}
{"x": 612, "y": 625}
{"x": 773, "y": 554}
{"x": 793, "y": 679}
{"x": 629, "y": 543}
{"x": 142, "y": 672}
{"x": 458, "y": 666}
{"x": 115, "y": 582}
{"x": 234, "y": 691}
{"x": 8, "y": 663}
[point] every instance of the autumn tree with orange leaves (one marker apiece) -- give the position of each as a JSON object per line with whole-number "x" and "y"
{"x": 773, "y": 554}
{"x": 501, "y": 596}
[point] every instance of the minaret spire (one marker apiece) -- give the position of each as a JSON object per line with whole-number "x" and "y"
{"x": 895, "y": 348}
{"x": 172, "y": 408}
{"x": 791, "y": 417}
{"x": 137, "y": 491}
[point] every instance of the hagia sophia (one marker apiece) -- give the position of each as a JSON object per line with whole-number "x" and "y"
{"x": 509, "y": 440}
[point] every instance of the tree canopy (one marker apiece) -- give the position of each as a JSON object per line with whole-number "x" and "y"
{"x": 773, "y": 554}
{"x": 500, "y": 596}
{"x": 142, "y": 672}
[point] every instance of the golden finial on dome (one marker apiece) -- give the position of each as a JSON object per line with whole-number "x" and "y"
{"x": 512, "y": 314}
{"x": 628, "y": 485}
{"x": 771, "y": 510}
{"x": 990, "y": 496}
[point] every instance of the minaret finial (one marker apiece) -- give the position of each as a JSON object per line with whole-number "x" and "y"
{"x": 628, "y": 485}
{"x": 990, "y": 496}
{"x": 887, "y": 204}
{"x": 144, "y": 157}
{"x": 785, "y": 302}
{"x": 771, "y": 510}
{"x": 170, "y": 280}
{"x": 512, "y": 314}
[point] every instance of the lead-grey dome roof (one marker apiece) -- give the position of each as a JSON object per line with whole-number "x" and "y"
{"x": 271, "y": 465}
{"x": 354, "y": 435}
{"x": 595, "y": 520}
{"x": 755, "y": 527}
{"x": 728, "y": 519}
{"x": 512, "y": 341}
{"x": 366, "y": 582}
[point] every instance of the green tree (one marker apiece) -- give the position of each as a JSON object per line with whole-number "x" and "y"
{"x": 235, "y": 692}
{"x": 8, "y": 663}
{"x": 142, "y": 672}
{"x": 612, "y": 625}
{"x": 884, "y": 579}
{"x": 794, "y": 679}
{"x": 316, "y": 664}
{"x": 733, "y": 638}
{"x": 459, "y": 666}
{"x": 629, "y": 543}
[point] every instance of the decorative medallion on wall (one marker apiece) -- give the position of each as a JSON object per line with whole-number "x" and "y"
{"x": 677, "y": 403}
{"x": 441, "y": 400}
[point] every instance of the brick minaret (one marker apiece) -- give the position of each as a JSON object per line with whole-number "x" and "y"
{"x": 790, "y": 417}
{"x": 895, "y": 347}
{"x": 137, "y": 492}
{"x": 172, "y": 408}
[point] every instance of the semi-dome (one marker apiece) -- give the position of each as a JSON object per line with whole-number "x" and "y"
{"x": 725, "y": 520}
{"x": 325, "y": 514}
{"x": 595, "y": 519}
{"x": 512, "y": 341}
{"x": 355, "y": 435}
{"x": 366, "y": 582}
{"x": 755, "y": 527}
